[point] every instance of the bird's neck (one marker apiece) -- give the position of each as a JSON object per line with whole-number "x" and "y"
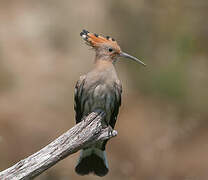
{"x": 104, "y": 64}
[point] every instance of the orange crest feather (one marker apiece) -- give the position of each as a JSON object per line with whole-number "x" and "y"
{"x": 95, "y": 40}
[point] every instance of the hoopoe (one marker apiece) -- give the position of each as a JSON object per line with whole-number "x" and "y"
{"x": 99, "y": 89}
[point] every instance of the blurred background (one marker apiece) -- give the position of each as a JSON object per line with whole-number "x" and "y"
{"x": 162, "y": 125}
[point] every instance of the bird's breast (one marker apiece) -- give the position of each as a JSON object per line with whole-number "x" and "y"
{"x": 98, "y": 96}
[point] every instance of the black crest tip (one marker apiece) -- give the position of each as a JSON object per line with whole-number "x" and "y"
{"x": 81, "y": 33}
{"x": 96, "y": 35}
{"x": 85, "y": 31}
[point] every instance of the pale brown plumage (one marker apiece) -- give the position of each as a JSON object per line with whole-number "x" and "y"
{"x": 100, "y": 89}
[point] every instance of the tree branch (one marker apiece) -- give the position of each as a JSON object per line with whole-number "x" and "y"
{"x": 87, "y": 132}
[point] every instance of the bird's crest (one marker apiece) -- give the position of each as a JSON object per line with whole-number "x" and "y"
{"x": 106, "y": 46}
{"x": 95, "y": 40}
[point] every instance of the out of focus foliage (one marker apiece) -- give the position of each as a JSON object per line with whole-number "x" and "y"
{"x": 164, "y": 104}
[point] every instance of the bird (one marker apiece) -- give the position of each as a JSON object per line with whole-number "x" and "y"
{"x": 99, "y": 89}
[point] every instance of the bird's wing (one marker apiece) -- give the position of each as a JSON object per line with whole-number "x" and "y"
{"x": 117, "y": 103}
{"x": 77, "y": 97}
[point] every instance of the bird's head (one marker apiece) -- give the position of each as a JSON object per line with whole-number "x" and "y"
{"x": 106, "y": 47}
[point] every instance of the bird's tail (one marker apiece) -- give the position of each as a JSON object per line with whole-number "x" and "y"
{"x": 92, "y": 160}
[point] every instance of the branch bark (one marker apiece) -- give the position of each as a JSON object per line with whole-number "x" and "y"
{"x": 83, "y": 134}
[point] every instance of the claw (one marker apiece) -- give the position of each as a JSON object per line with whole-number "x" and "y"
{"x": 110, "y": 131}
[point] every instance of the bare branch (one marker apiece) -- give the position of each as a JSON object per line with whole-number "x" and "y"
{"x": 87, "y": 132}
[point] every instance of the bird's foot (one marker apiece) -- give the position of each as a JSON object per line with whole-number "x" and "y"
{"x": 111, "y": 132}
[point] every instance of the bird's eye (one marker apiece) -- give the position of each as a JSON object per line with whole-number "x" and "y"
{"x": 110, "y": 49}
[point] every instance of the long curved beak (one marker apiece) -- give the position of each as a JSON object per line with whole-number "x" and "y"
{"x": 123, "y": 54}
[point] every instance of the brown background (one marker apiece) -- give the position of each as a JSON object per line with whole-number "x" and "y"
{"x": 162, "y": 123}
